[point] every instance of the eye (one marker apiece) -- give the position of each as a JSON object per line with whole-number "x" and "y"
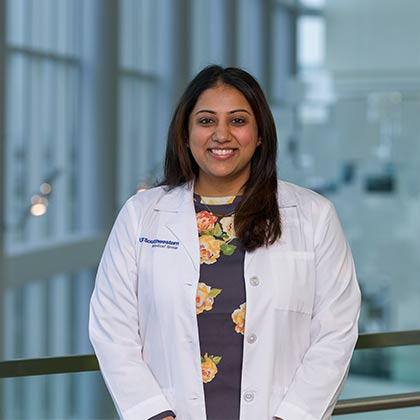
{"x": 205, "y": 121}
{"x": 238, "y": 121}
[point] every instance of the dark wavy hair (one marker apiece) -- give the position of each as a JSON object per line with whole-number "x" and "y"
{"x": 257, "y": 218}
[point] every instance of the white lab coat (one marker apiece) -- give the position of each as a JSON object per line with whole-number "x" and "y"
{"x": 302, "y": 299}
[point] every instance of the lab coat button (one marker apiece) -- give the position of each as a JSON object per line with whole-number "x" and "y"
{"x": 255, "y": 281}
{"x": 249, "y": 396}
{"x": 252, "y": 338}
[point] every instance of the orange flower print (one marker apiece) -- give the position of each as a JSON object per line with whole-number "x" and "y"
{"x": 227, "y": 226}
{"x": 205, "y": 297}
{"x": 209, "y": 249}
{"x": 205, "y": 221}
{"x": 208, "y": 367}
{"x": 238, "y": 317}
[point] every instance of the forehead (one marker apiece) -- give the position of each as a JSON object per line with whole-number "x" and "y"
{"x": 222, "y": 97}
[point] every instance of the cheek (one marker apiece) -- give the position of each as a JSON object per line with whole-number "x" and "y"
{"x": 196, "y": 150}
{"x": 250, "y": 144}
{"x": 196, "y": 141}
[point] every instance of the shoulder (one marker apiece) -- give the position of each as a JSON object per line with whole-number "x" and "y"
{"x": 139, "y": 208}
{"x": 147, "y": 197}
{"x": 309, "y": 204}
{"x": 292, "y": 194}
{"x": 158, "y": 198}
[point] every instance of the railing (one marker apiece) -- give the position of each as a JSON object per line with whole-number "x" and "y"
{"x": 86, "y": 363}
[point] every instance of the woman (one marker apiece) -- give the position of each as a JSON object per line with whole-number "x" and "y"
{"x": 223, "y": 293}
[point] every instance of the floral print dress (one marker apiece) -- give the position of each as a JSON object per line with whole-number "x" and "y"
{"x": 220, "y": 305}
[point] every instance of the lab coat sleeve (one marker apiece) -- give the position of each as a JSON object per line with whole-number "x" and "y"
{"x": 114, "y": 325}
{"x": 333, "y": 332}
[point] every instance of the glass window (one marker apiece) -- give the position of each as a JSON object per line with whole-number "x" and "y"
{"x": 251, "y": 46}
{"x": 212, "y": 35}
{"x": 311, "y": 41}
{"x": 357, "y": 143}
{"x": 144, "y": 95}
{"x": 282, "y": 53}
{"x": 315, "y": 4}
{"x": 66, "y": 396}
{"x": 44, "y": 314}
{"x": 139, "y": 34}
{"x": 140, "y": 160}
{"x": 42, "y": 127}
{"x": 46, "y": 317}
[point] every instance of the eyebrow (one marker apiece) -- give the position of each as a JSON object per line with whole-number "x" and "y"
{"x": 214, "y": 112}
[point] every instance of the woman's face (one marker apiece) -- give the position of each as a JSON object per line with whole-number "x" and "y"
{"x": 223, "y": 136}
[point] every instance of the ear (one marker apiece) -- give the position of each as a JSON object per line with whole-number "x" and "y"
{"x": 259, "y": 141}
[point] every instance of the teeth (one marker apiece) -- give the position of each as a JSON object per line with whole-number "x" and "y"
{"x": 221, "y": 152}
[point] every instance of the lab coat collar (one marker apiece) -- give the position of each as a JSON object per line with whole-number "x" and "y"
{"x": 180, "y": 200}
{"x": 177, "y": 199}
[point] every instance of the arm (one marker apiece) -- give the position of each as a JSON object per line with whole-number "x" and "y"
{"x": 114, "y": 325}
{"x": 333, "y": 333}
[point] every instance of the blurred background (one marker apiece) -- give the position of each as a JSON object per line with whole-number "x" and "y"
{"x": 87, "y": 88}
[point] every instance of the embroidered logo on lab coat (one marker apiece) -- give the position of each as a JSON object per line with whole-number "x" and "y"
{"x": 159, "y": 243}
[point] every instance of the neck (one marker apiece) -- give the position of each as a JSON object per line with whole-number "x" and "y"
{"x": 217, "y": 189}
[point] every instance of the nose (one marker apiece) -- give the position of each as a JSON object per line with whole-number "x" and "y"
{"x": 221, "y": 133}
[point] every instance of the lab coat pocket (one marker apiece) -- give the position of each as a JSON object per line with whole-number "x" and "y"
{"x": 294, "y": 274}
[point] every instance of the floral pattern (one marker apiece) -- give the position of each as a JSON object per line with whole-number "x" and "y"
{"x": 214, "y": 236}
{"x": 205, "y": 222}
{"x": 228, "y": 228}
{"x": 205, "y": 297}
{"x": 209, "y": 249}
{"x": 238, "y": 317}
{"x": 217, "y": 237}
{"x": 209, "y": 367}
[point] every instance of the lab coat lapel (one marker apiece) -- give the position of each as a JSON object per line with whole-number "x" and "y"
{"x": 181, "y": 220}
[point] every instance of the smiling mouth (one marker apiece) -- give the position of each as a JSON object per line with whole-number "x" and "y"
{"x": 222, "y": 152}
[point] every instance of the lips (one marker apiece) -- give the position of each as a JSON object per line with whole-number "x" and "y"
{"x": 222, "y": 152}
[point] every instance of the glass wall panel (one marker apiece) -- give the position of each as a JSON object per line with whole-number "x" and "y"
{"x": 250, "y": 34}
{"x": 42, "y": 121}
{"x": 44, "y": 25}
{"x": 357, "y": 142}
{"x": 311, "y": 41}
{"x": 140, "y": 161}
{"x": 315, "y": 4}
{"x": 46, "y": 317}
{"x": 65, "y": 396}
{"x": 282, "y": 54}
{"x": 42, "y": 149}
{"x": 139, "y": 34}
{"x": 144, "y": 93}
{"x": 213, "y": 35}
